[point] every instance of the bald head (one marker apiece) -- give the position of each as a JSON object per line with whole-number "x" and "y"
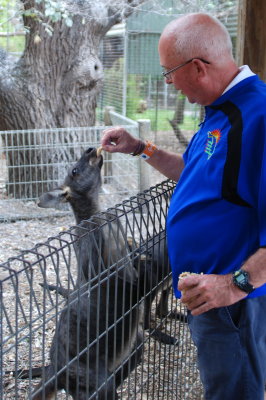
{"x": 197, "y": 35}
{"x": 201, "y": 47}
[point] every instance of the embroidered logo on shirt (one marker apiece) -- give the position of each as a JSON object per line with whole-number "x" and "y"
{"x": 212, "y": 141}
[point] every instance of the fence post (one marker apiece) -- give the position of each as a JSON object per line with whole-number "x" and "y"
{"x": 106, "y": 117}
{"x": 144, "y": 168}
{"x": 107, "y": 167}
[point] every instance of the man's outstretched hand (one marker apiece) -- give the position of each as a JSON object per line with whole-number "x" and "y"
{"x": 118, "y": 140}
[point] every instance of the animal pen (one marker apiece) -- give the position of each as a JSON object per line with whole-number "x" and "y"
{"x": 32, "y": 312}
{"x": 123, "y": 338}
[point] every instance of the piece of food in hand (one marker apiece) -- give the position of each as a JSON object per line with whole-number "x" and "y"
{"x": 185, "y": 274}
{"x": 99, "y": 151}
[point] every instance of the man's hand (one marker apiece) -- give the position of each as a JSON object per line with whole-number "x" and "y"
{"x": 117, "y": 139}
{"x": 201, "y": 293}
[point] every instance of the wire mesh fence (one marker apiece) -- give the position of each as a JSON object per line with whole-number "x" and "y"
{"x": 89, "y": 314}
{"x": 34, "y": 161}
{"x": 133, "y": 83}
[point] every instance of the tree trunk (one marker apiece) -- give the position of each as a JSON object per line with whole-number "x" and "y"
{"x": 54, "y": 84}
{"x": 178, "y": 118}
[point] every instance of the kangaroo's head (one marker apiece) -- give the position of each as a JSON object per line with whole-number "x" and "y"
{"x": 83, "y": 181}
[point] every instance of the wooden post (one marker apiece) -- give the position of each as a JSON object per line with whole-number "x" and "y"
{"x": 144, "y": 168}
{"x": 251, "y": 44}
{"x": 106, "y": 116}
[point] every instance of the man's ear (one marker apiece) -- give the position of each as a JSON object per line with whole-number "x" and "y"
{"x": 53, "y": 199}
{"x": 200, "y": 67}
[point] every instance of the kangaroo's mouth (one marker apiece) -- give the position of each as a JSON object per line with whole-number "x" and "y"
{"x": 94, "y": 152}
{"x": 90, "y": 150}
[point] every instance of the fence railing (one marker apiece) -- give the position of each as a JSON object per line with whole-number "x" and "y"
{"x": 90, "y": 312}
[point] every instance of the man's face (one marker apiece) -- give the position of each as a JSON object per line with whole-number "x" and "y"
{"x": 184, "y": 78}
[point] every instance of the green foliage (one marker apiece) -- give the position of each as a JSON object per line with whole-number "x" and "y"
{"x": 113, "y": 78}
{"x": 133, "y": 96}
{"x": 54, "y": 11}
{"x": 10, "y": 23}
{"x": 160, "y": 120}
{"x": 13, "y": 44}
{"x": 12, "y": 11}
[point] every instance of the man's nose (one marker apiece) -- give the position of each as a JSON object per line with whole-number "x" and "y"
{"x": 168, "y": 80}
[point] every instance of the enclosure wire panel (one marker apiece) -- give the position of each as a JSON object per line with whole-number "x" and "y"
{"x": 90, "y": 314}
{"x": 33, "y": 161}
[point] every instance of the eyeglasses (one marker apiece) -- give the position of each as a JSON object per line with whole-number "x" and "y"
{"x": 167, "y": 74}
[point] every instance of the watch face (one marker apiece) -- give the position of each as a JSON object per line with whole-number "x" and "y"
{"x": 240, "y": 278}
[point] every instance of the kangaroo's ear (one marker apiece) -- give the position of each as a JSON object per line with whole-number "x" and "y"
{"x": 53, "y": 199}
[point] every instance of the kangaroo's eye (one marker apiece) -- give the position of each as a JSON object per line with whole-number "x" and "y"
{"x": 75, "y": 171}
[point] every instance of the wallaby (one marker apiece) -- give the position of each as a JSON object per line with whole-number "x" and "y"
{"x": 96, "y": 334}
{"x": 131, "y": 281}
{"x": 154, "y": 278}
{"x": 81, "y": 189}
{"x": 93, "y": 346}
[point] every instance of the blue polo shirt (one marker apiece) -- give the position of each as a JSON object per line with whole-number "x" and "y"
{"x": 217, "y": 215}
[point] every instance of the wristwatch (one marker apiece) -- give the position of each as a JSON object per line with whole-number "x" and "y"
{"x": 241, "y": 280}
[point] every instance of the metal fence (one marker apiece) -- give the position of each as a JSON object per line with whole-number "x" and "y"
{"x": 33, "y": 161}
{"x": 133, "y": 83}
{"x": 108, "y": 328}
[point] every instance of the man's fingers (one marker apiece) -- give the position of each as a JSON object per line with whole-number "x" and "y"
{"x": 201, "y": 309}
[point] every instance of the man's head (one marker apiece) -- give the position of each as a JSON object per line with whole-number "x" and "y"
{"x": 201, "y": 46}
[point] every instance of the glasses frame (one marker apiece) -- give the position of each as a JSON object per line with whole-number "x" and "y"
{"x": 167, "y": 73}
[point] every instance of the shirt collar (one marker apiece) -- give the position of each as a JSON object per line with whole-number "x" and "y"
{"x": 245, "y": 72}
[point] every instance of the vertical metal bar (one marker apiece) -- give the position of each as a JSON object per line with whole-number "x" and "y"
{"x": 2, "y": 372}
{"x": 125, "y": 72}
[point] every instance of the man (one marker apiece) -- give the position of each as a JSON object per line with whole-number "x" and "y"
{"x": 216, "y": 224}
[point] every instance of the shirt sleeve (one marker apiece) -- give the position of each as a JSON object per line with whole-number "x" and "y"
{"x": 262, "y": 199}
{"x": 187, "y": 151}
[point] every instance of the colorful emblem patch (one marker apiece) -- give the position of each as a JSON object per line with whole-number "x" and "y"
{"x": 212, "y": 141}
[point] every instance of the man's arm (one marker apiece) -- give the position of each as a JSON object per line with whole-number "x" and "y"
{"x": 169, "y": 164}
{"x": 201, "y": 293}
{"x": 256, "y": 267}
{"x": 117, "y": 139}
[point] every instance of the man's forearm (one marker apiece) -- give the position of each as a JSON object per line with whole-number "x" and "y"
{"x": 169, "y": 164}
{"x": 117, "y": 139}
{"x": 255, "y": 265}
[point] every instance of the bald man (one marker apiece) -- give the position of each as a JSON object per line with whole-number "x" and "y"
{"x": 216, "y": 223}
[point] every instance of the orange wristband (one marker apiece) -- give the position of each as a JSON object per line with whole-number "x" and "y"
{"x": 148, "y": 150}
